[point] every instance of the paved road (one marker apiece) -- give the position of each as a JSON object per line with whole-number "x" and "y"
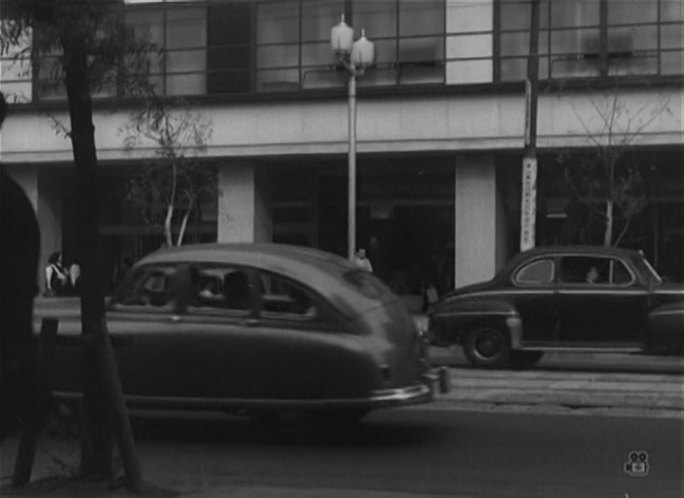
{"x": 398, "y": 453}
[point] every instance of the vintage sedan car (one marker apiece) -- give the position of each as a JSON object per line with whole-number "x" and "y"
{"x": 255, "y": 328}
{"x": 562, "y": 298}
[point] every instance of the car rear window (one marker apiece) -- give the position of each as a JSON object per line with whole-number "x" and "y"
{"x": 536, "y": 272}
{"x": 368, "y": 284}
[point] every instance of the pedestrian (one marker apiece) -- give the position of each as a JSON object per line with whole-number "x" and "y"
{"x": 20, "y": 389}
{"x": 56, "y": 276}
{"x": 75, "y": 278}
{"x": 362, "y": 261}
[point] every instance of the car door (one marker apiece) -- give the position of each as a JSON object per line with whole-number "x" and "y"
{"x": 600, "y": 302}
{"x": 142, "y": 320}
{"x": 303, "y": 346}
{"x": 215, "y": 351}
{"x": 533, "y": 298}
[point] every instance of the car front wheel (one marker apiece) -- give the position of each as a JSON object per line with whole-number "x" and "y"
{"x": 488, "y": 347}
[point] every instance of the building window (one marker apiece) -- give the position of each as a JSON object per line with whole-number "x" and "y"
{"x": 229, "y": 49}
{"x": 590, "y": 38}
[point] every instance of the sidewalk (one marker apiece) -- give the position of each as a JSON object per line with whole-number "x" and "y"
{"x": 607, "y": 393}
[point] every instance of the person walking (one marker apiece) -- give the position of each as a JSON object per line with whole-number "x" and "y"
{"x": 56, "y": 277}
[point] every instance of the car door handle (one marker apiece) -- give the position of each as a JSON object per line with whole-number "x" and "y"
{"x": 175, "y": 318}
{"x": 251, "y": 322}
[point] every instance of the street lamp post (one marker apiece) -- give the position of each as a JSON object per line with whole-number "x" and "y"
{"x": 356, "y": 57}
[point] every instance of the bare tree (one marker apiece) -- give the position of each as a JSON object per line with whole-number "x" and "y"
{"x": 167, "y": 189}
{"x": 606, "y": 177}
{"x": 83, "y": 47}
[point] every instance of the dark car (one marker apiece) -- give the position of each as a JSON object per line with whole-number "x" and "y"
{"x": 562, "y": 298}
{"x": 256, "y": 328}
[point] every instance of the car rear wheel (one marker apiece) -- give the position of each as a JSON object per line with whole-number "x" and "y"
{"x": 524, "y": 359}
{"x": 487, "y": 346}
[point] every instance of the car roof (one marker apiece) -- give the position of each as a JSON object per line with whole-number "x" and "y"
{"x": 577, "y": 250}
{"x": 620, "y": 252}
{"x": 315, "y": 267}
{"x": 269, "y": 256}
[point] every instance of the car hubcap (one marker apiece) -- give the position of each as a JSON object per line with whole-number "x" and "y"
{"x": 488, "y": 344}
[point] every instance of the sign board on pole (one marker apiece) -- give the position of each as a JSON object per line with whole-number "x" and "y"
{"x": 528, "y": 203}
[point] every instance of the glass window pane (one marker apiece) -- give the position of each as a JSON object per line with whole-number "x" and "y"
{"x": 378, "y": 19}
{"x": 514, "y": 69}
{"x": 575, "y": 13}
{"x": 16, "y": 79}
{"x": 537, "y": 272}
{"x": 150, "y": 288}
{"x": 515, "y": 14}
{"x": 621, "y": 274}
{"x": 148, "y": 26}
{"x": 671, "y": 36}
{"x": 278, "y": 80}
{"x": 584, "y": 42}
{"x": 319, "y": 17}
{"x": 671, "y": 10}
{"x": 515, "y": 44}
{"x": 420, "y": 18}
{"x": 282, "y": 56}
{"x": 278, "y": 23}
{"x": 421, "y": 49}
{"x": 629, "y": 11}
{"x": 284, "y": 298}
{"x": 219, "y": 290}
{"x": 671, "y": 62}
{"x": 316, "y": 54}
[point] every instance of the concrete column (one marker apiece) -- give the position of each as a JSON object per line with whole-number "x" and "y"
{"x": 476, "y": 220}
{"x": 243, "y": 204}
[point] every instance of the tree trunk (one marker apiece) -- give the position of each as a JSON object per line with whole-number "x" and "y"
{"x": 167, "y": 225}
{"x": 608, "y": 235}
{"x": 103, "y": 396}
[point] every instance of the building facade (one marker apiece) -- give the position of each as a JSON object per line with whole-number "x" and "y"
{"x": 440, "y": 129}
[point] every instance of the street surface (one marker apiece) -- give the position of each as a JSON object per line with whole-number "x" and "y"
{"x": 542, "y": 432}
{"x": 405, "y": 452}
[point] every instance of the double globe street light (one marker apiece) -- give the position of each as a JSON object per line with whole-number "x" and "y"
{"x": 356, "y": 57}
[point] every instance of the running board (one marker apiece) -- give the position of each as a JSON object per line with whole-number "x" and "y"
{"x": 594, "y": 348}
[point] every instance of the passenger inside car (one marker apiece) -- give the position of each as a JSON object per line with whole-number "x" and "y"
{"x": 592, "y": 276}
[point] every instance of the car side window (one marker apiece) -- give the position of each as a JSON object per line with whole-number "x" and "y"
{"x": 222, "y": 289}
{"x": 620, "y": 275}
{"x": 284, "y": 298}
{"x": 594, "y": 270}
{"x": 537, "y": 272}
{"x": 150, "y": 288}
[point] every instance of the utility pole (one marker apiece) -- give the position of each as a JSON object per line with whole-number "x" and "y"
{"x": 528, "y": 208}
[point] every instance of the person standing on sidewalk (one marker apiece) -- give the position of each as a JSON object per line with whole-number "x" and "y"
{"x": 362, "y": 261}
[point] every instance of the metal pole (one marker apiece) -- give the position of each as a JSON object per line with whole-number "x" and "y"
{"x": 351, "y": 189}
{"x": 528, "y": 208}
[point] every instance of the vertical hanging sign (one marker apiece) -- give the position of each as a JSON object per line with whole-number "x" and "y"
{"x": 528, "y": 203}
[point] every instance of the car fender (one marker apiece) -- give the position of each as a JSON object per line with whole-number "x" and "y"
{"x": 666, "y": 328}
{"x": 453, "y": 320}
